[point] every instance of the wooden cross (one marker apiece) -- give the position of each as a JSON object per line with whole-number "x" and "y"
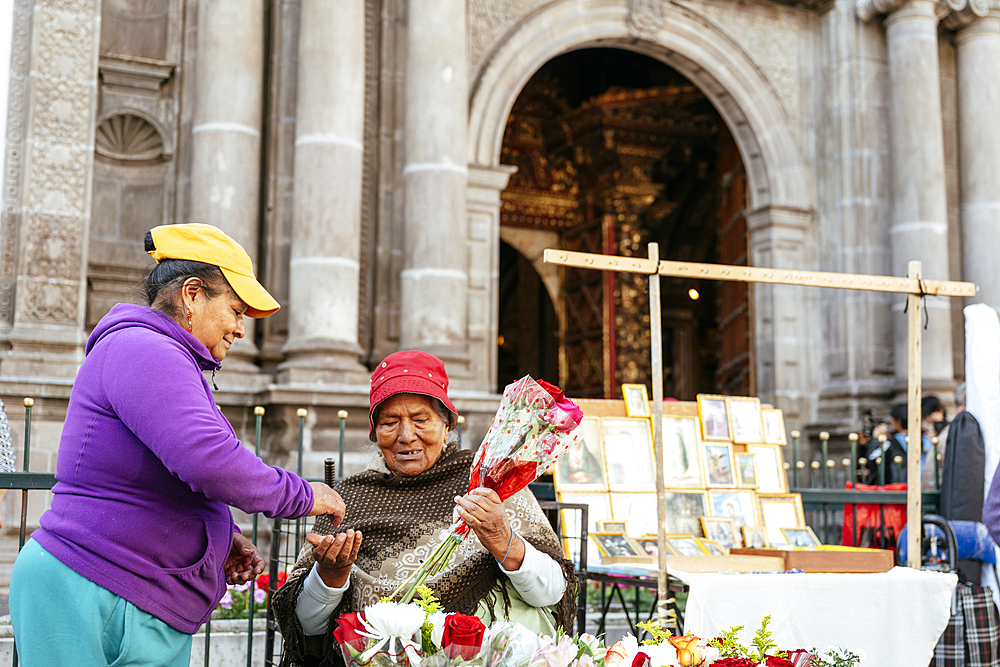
{"x": 912, "y": 285}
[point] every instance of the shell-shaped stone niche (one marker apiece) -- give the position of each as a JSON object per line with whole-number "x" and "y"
{"x": 126, "y": 136}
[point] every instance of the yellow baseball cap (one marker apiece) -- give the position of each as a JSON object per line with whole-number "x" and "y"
{"x": 204, "y": 243}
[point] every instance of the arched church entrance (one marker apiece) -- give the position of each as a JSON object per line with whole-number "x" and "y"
{"x": 615, "y": 149}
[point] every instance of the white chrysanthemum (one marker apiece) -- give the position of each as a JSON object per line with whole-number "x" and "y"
{"x": 388, "y": 619}
{"x": 437, "y": 626}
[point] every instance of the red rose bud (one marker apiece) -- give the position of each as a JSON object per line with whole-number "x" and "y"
{"x": 773, "y": 661}
{"x": 462, "y": 636}
{"x": 349, "y": 628}
{"x": 554, "y": 391}
{"x": 641, "y": 660}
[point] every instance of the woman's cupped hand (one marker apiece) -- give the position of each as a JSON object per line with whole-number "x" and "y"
{"x": 244, "y": 561}
{"x": 334, "y": 555}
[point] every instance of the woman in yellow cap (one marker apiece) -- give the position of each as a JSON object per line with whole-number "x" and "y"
{"x": 139, "y": 542}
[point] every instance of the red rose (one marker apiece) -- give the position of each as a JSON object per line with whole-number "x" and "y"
{"x": 348, "y": 629}
{"x": 774, "y": 661}
{"x": 641, "y": 660}
{"x": 734, "y": 662}
{"x": 462, "y": 636}
{"x": 554, "y": 391}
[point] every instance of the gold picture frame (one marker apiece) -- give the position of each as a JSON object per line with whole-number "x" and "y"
{"x": 771, "y": 476}
{"x": 628, "y": 454}
{"x": 636, "y": 400}
{"x": 685, "y": 507}
{"x": 599, "y": 509}
{"x": 612, "y": 527}
{"x": 800, "y": 537}
{"x": 717, "y": 458}
{"x": 774, "y": 426}
{"x": 740, "y": 505}
{"x": 745, "y": 465}
{"x": 712, "y": 547}
{"x": 680, "y": 544}
{"x": 755, "y": 537}
{"x": 618, "y": 546}
{"x": 721, "y": 530}
{"x": 745, "y": 424}
{"x": 581, "y": 467}
{"x": 777, "y": 511}
{"x": 682, "y": 464}
{"x": 713, "y": 415}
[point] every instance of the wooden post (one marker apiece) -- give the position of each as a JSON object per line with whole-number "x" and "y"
{"x": 656, "y": 354}
{"x": 914, "y": 448}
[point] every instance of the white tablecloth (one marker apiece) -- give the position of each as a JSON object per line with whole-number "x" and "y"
{"x": 895, "y": 617}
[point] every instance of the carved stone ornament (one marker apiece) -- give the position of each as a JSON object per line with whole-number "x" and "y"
{"x": 646, "y": 17}
{"x": 868, "y": 9}
{"x": 127, "y": 135}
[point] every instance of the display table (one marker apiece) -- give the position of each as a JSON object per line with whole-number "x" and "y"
{"x": 895, "y": 617}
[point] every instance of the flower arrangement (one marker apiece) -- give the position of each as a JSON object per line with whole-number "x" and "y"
{"x": 532, "y": 428}
{"x": 420, "y": 634}
{"x": 237, "y": 602}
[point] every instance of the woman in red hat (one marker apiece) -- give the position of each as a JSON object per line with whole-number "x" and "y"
{"x": 396, "y": 509}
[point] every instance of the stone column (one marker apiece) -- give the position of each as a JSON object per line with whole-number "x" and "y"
{"x": 978, "y": 55}
{"x": 434, "y": 279}
{"x": 919, "y": 221}
{"x": 326, "y": 225}
{"x": 226, "y": 138}
{"x": 48, "y": 188}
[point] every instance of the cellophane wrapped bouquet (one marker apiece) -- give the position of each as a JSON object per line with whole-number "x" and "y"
{"x": 534, "y": 426}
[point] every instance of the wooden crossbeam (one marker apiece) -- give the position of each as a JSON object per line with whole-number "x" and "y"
{"x": 754, "y": 274}
{"x": 912, "y": 285}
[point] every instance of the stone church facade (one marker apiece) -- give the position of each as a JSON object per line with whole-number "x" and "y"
{"x": 378, "y": 158}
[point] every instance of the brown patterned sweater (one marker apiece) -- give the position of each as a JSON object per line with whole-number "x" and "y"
{"x": 402, "y": 519}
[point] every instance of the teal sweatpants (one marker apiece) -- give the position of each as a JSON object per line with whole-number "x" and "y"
{"x": 62, "y": 618}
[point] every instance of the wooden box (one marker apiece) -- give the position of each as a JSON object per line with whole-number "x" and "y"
{"x": 829, "y": 560}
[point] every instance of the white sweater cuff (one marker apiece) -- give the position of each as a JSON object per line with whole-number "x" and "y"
{"x": 316, "y": 603}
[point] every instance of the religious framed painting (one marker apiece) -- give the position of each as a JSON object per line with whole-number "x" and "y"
{"x": 713, "y": 417}
{"x": 745, "y": 424}
{"x": 581, "y": 468}
{"x": 636, "y": 400}
{"x": 684, "y": 511}
{"x": 774, "y": 426}
{"x": 780, "y": 510}
{"x": 628, "y": 453}
{"x": 800, "y": 537}
{"x": 755, "y": 537}
{"x": 739, "y": 505}
{"x": 681, "y": 456}
{"x": 685, "y": 545}
{"x": 720, "y": 529}
{"x": 746, "y": 470}
{"x": 718, "y": 460}
{"x": 713, "y": 548}
{"x": 771, "y": 477}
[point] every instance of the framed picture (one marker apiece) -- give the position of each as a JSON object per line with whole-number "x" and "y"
{"x": 714, "y": 417}
{"x": 684, "y": 511}
{"x": 684, "y": 545}
{"x": 681, "y": 457}
{"x": 800, "y": 537}
{"x": 616, "y": 545}
{"x": 612, "y": 527}
{"x": 598, "y": 510}
{"x": 628, "y": 453}
{"x": 774, "y": 426}
{"x": 780, "y": 510}
{"x": 649, "y": 544}
{"x": 713, "y": 548}
{"x": 581, "y": 468}
{"x": 740, "y": 506}
{"x": 720, "y": 529}
{"x": 744, "y": 419}
{"x": 637, "y": 510}
{"x": 636, "y": 400}
{"x": 718, "y": 459}
{"x": 755, "y": 537}
{"x": 771, "y": 477}
{"x": 746, "y": 470}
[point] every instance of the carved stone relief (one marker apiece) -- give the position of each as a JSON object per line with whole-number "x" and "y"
{"x": 491, "y": 19}
{"x": 646, "y": 17}
{"x": 127, "y": 136}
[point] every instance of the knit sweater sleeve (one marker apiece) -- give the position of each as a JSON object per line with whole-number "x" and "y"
{"x": 156, "y": 389}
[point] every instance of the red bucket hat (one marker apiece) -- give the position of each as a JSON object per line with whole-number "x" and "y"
{"x": 408, "y": 372}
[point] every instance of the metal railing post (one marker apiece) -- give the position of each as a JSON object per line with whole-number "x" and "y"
{"x": 342, "y": 416}
{"x": 301, "y": 414}
{"x": 795, "y": 458}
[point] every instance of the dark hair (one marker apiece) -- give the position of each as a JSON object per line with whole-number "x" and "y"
{"x": 167, "y": 277}
{"x": 929, "y": 404}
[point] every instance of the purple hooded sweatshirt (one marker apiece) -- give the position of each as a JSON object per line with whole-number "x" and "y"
{"x": 147, "y": 469}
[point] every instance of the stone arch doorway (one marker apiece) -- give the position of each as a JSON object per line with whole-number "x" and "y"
{"x": 614, "y": 149}
{"x": 778, "y": 197}
{"x": 528, "y": 339}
